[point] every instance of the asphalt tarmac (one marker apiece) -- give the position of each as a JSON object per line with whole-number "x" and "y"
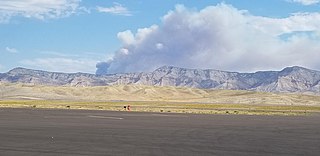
{"x": 30, "y": 132}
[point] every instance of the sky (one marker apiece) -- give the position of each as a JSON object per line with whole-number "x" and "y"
{"x": 106, "y": 37}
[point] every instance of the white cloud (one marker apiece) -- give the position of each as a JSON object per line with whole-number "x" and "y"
{"x": 61, "y": 64}
{"x": 305, "y": 2}
{"x": 222, "y": 37}
{"x": 11, "y": 50}
{"x": 39, "y": 9}
{"x": 117, "y": 9}
{"x": 296, "y": 22}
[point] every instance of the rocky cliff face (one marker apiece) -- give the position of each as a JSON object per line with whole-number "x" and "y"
{"x": 291, "y": 79}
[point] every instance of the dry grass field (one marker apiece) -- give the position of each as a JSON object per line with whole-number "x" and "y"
{"x": 157, "y": 99}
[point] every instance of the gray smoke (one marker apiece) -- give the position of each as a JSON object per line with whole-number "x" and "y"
{"x": 219, "y": 37}
{"x": 102, "y": 68}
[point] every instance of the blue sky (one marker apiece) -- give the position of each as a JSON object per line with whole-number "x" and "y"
{"x": 75, "y": 35}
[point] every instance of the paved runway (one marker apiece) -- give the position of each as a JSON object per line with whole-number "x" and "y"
{"x": 30, "y": 132}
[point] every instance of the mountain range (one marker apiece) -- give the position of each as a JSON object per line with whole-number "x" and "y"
{"x": 290, "y": 79}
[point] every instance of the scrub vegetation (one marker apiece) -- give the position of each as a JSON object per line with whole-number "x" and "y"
{"x": 157, "y": 99}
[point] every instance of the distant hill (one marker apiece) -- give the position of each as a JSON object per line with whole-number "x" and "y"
{"x": 290, "y": 79}
{"x": 155, "y": 94}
